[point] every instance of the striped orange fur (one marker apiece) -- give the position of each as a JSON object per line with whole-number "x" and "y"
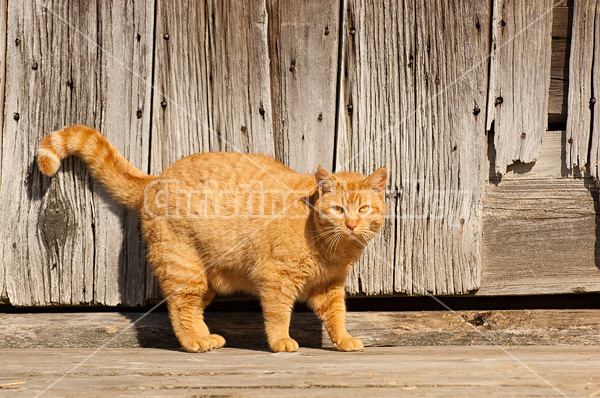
{"x": 219, "y": 223}
{"x": 107, "y": 165}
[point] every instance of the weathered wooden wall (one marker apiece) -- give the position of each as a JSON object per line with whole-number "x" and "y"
{"x": 348, "y": 84}
{"x": 405, "y": 103}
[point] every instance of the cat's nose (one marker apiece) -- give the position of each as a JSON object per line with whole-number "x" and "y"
{"x": 351, "y": 224}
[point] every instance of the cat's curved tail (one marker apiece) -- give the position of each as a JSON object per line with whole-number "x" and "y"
{"x": 107, "y": 165}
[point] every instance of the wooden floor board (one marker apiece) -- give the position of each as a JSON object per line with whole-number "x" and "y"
{"x": 419, "y": 371}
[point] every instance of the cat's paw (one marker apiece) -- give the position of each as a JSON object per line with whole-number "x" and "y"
{"x": 216, "y": 340}
{"x": 199, "y": 344}
{"x": 284, "y": 345}
{"x": 350, "y": 344}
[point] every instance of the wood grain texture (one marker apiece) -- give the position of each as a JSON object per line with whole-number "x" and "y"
{"x": 246, "y": 330}
{"x": 411, "y": 100}
{"x": 213, "y": 90}
{"x": 376, "y": 372}
{"x": 541, "y": 229}
{"x": 583, "y": 121}
{"x": 518, "y": 89}
{"x": 303, "y": 44}
{"x": 3, "y": 33}
{"x": 63, "y": 240}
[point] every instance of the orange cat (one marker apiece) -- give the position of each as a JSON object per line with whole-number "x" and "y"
{"x": 226, "y": 222}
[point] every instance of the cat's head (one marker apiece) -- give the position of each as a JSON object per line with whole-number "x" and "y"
{"x": 350, "y": 204}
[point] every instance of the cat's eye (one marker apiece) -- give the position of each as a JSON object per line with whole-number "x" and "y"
{"x": 364, "y": 209}
{"x": 338, "y": 209}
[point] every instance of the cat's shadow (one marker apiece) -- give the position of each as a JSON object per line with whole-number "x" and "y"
{"x": 240, "y": 329}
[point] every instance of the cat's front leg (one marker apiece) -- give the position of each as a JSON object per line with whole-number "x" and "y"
{"x": 329, "y": 303}
{"x": 277, "y": 310}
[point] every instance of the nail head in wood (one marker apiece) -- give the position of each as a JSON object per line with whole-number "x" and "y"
{"x": 17, "y": 42}
{"x": 261, "y": 110}
{"x": 70, "y": 83}
{"x": 349, "y": 107}
{"x": 244, "y": 129}
{"x": 352, "y": 31}
{"x": 139, "y": 114}
{"x": 523, "y": 136}
{"x": 503, "y": 23}
{"x": 14, "y": 245}
{"x": 476, "y": 110}
{"x": 166, "y": 36}
{"x": 163, "y": 104}
{"x": 16, "y": 116}
{"x": 499, "y": 100}
{"x": 570, "y": 141}
{"x": 34, "y": 66}
{"x": 592, "y": 101}
{"x": 320, "y": 117}
{"x": 326, "y": 33}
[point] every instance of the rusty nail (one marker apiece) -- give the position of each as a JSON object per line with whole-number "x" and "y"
{"x": 244, "y": 129}
{"x": 163, "y": 104}
{"x": 14, "y": 245}
{"x": 320, "y": 117}
{"x": 326, "y": 30}
{"x": 16, "y": 116}
{"x": 499, "y": 100}
{"x": 34, "y": 66}
{"x": 261, "y": 110}
{"x": 523, "y": 136}
{"x": 349, "y": 107}
{"x": 139, "y": 113}
{"x": 503, "y": 23}
{"x": 462, "y": 221}
{"x": 593, "y": 101}
{"x": 166, "y": 36}
{"x": 17, "y": 41}
{"x": 570, "y": 141}
{"x": 476, "y": 110}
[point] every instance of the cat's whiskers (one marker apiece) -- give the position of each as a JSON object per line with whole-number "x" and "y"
{"x": 332, "y": 248}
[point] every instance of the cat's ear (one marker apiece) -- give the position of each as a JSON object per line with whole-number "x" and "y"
{"x": 324, "y": 180}
{"x": 377, "y": 180}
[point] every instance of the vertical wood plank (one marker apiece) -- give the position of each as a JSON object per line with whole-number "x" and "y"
{"x": 303, "y": 44}
{"x": 519, "y": 79}
{"x": 411, "y": 100}
{"x": 239, "y": 85}
{"x": 58, "y": 74}
{"x": 3, "y": 31}
{"x": 124, "y": 90}
{"x": 583, "y": 125}
{"x": 213, "y": 83}
{"x": 225, "y": 102}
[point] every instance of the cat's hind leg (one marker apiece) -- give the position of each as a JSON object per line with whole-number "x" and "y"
{"x": 277, "y": 303}
{"x": 184, "y": 284}
{"x": 217, "y": 340}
